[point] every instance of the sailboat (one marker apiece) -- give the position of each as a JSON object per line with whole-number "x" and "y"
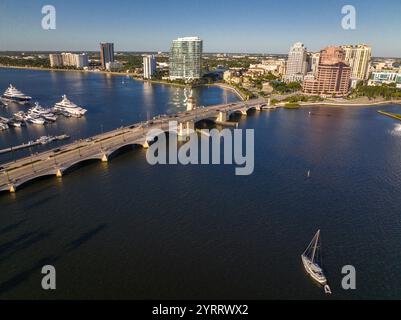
{"x": 311, "y": 259}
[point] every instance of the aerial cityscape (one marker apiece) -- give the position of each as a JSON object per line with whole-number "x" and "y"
{"x": 167, "y": 167}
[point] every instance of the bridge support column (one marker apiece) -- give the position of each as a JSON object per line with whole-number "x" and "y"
{"x": 184, "y": 130}
{"x": 243, "y": 112}
{"x": 105, "y": 158}
{"x": 59, "y": 174}
{"x": 12, "y": 188}
{"x": 145, "y": 145}
{"x": 269, "y": 101}
{"x": 222, "y": 117}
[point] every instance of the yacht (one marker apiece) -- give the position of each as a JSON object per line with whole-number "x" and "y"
{"x": 312, "y": 262}
{"x": 35, "y": 119}
{"x": 20, "y": 116}
{"x": 14, "y": 95}
{"x": 41, "y": 112}
{"x": 65, "y": 106}
{"x": 3, "y": 126}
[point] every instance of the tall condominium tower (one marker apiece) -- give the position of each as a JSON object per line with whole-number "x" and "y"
{"x": 297, "y": 64}
{"x": 106, "y": 53}
{"x": 314, "y": 59}
{"x": 56, "y": 60}
{"x": 149, "y": 66}
{"x": 358, "y": 57}
{"x": 333, "y": 75}
{"x": 186, "y": 58}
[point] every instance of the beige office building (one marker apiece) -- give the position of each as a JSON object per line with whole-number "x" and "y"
{"x": 358, "y": 57}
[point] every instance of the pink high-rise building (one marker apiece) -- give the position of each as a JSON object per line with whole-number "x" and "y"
{"x": 333, "y": 75}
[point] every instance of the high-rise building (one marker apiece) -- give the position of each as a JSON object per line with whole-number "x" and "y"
{"x": 149, "y": 66}
{"x": 333, "y": 75}
{"x": 106, "y": 53}
{"x": 297, "y": 64}
{"x": 56, "y": 60}
{"x": 358, "y": 57}
{"x": 69, "y": 59}
{"x": 314, "y": 58}
{"x": 81, "y": 60}
{"x": 186, "y": 58}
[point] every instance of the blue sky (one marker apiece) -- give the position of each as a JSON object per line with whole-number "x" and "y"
{"x": 260, "y": 26}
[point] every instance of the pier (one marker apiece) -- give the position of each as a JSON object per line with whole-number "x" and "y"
{"x": 55, "y": 162}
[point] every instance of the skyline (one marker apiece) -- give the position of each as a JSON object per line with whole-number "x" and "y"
{"x": 267, "y": 27}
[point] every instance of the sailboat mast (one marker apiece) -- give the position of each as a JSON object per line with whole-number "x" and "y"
{"x": 315, "y": 245}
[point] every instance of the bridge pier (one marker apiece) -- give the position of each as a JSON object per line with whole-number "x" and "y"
{"x": 12, "y": 189}
{"x": 184, "y": 130}
{"x": 244, "y": 112}
{"x": 105, "y": 158}
{"x": 59, "y": 174}
{"x": 222, "y": 117}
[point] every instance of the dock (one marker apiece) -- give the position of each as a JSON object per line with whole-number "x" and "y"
{"x": 40, "y": 141}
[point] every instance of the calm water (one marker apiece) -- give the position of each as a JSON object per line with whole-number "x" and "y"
{"x": 130, "y": 230}
{"x": 111, "y": 101}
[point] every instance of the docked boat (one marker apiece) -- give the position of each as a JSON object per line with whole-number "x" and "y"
{"x": 20, "y": 116}
{"x": 12, "y": 94}
{"x": 35, "y": 119}
{"x": 69, "y": 108}
{"x": 3, "y": 126}
{"x": 15, "y": 123}
{"x": 43, "y": 113}
{"x": 312, "y": 262}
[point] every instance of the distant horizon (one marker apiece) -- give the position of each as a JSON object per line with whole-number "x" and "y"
{"x": 166, "y": 52}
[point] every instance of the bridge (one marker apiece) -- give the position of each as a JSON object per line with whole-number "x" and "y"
{"x": 56, "y": 162}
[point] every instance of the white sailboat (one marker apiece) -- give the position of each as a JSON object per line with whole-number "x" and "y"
{"x": 311, "y": 260}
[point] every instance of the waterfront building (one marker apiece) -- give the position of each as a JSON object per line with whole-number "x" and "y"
{"x": 149, "y": 66}
{"x": 106, "y": 53}
{"x": 115, "y": 65}
{"x": 297, "y": 64}
{"x": 81, "y": 60}
{"x": 385, "y": 77}
{"x": 358, "y": 57}
{"x": 68, "y": 59}
{"x": 56, "y": 60}
{"x": 314, "y": 58}
{"x": 333, "y": 75}
{"x": 186, "y": 58}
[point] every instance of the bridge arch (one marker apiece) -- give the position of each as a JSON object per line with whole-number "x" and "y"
{"x": 22, "y": 182}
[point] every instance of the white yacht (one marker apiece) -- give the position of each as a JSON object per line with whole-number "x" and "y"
{"x": 311, "y": 260}
{"x": 67, "y": 107}
{"x": 3, "y": 126}
{"x": 14, "y": 95}
{"x": 41, "y": 112}
{"x": 35, "y": 119}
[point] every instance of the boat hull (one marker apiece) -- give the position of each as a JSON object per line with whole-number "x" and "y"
{"x": 16, "y": 99}
{"x": 319, "y": 278}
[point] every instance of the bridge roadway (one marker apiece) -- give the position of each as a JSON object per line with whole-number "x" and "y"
{"x": 57, "y": 161}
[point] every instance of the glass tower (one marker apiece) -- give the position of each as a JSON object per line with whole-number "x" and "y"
{"x": 186, "y": 58}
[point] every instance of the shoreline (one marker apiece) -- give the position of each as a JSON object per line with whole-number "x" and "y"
{"x": 339, "y": 104}
{"x": 220, "y": 85}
